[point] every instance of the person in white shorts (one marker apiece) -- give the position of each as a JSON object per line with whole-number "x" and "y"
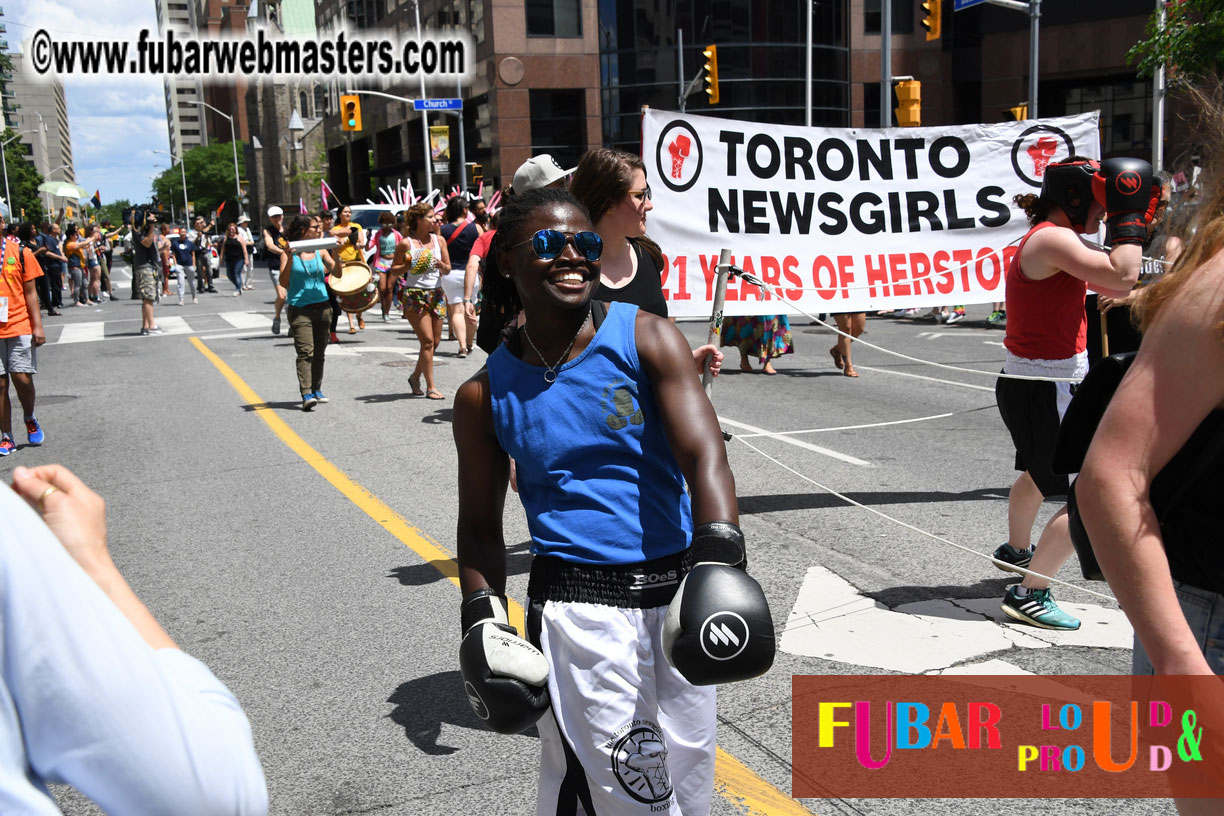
{"x": 599, "y": 407}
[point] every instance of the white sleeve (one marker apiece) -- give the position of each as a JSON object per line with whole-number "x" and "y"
{"x": 137, "y": 730}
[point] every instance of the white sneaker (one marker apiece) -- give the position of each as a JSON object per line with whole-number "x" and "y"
{"x": 180, "y": 301}
{"x": 237, "y": 293}
{"x": 195, "y": 299}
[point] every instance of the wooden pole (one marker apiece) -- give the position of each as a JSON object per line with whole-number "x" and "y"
{"x": 1104, "y": 334}
{"x": 716, "y": 316}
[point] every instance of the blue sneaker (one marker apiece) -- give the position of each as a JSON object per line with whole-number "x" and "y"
{"x": 7, "y": 446}
{"x": 1010, "y": 555}
{"x": 35, "y": 431}
{"x": 309, "y": 402}
{"x": 1037, "y": 608}
{"x": 319, "y": 396}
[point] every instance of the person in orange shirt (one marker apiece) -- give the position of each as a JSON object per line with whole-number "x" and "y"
{"x": 21, "y": 332}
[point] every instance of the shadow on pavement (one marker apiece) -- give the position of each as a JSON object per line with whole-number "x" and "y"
{"x": 518, "y": 562}
{"x": 279, "y": 406}
{"x": 822, "y": 501}
{"x": 993, "y": 587}
{"x": 374, "y": 399}
{"x": 424, "y": 705}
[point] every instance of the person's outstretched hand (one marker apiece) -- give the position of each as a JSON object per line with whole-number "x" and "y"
{"x": 711, "y": 351}
{"x": 76, "y": 514}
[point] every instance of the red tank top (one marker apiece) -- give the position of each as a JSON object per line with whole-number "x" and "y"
{"x": 1045, "y": 318}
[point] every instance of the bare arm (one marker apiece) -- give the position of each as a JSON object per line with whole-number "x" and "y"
{"x": 443, "y": 259}
{"x": 484, "y": 473}
{"x": 1112, "y": 273}
{"x": 688, "y": 419}
{"x": 285, "y": 263}
{"x": 1173, "y": 384}
{"x": 33, "y": 310}
{"x": 400, "y": 263}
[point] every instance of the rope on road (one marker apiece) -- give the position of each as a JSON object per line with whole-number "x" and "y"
{"x": 753, "y": 279}
{"x": 920, "y": 531}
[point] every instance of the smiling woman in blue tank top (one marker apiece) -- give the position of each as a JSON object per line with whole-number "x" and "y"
{"x": 598, "y": 405}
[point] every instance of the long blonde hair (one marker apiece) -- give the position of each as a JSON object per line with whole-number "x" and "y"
{"x": 1208, "y": 227}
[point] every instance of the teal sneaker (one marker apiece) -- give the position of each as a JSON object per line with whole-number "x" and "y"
{"x": 1038, "y": 609}
{"x": 996, "y": 317}
{"x": 1016, "y": 558}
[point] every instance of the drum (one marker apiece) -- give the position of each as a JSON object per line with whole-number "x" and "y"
{"x": 354, "y": 286}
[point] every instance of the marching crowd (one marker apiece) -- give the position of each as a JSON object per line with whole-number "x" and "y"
{"x": 630, "y": 502}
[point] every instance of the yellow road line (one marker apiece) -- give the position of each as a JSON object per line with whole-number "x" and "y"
{"x": 735, "y": 781}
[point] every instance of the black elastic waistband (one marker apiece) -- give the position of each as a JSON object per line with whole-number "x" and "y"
{"x": 642, "y": 585}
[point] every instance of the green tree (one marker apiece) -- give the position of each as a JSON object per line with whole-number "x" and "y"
{"x": 210, "y": 180}
{"x": 1189, "y": 45}
{"x": 23, "y": 179}
{"x": 113, "y": 211}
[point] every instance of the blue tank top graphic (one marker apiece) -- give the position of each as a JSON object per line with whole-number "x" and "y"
{"x": 615, "y": 497}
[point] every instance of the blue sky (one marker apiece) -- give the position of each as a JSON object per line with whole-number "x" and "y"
{"x": 116, "y": 122}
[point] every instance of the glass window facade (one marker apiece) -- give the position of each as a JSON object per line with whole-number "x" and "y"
{"x": 558, "y": 124}
{"x": 760, "y": 61}
{"x": 902, "y": 16}
{"x": 554, "y": 18}
{"x": 1126, "y": 112}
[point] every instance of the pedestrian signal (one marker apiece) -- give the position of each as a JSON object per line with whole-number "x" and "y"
{"x": 932, "y": 13}
{"x": 1019, "y": 113}
{"x": 909, "y": 103}
{"x": 711, "y": 72}
{"x": 350, "y": 112}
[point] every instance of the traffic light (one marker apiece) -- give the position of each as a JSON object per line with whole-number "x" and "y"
{"x": 1019, "y": 113}
{"x": 909, "y": 103}
{"x": 932, "y": 13}
{"x": 711, "y": 72}
{"x": 350, "y": 112}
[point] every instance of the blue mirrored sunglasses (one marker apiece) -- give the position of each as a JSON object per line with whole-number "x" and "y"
{"x": 549, "y": 243}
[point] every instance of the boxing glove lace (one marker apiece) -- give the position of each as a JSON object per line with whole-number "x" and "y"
{"x": 504, "y": 676}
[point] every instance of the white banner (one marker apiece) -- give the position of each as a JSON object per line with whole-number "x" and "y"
{"x": 845, "y": 220}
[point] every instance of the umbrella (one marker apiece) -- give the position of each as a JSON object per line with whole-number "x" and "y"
{"x": 62, "y": 189}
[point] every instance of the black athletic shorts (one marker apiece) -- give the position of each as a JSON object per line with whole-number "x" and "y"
{"x": 1032, "y": 411}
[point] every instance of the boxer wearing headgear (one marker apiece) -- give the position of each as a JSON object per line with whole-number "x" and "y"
{"x": 638, "y": 597}
{"x": 1047, "y": 281}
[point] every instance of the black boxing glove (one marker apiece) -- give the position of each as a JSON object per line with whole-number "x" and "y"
{"x": 505, "y": 677}
{"x": 1124, "y": 188}
{"x": 718, "y": 628}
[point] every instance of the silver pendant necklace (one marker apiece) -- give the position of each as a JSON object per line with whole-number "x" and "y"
{"x": 550, "y": 371}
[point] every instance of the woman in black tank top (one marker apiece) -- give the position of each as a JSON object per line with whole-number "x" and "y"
{"x": 612, "y": 185}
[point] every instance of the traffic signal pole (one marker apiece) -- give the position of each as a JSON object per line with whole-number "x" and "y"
{"x": 886, "y": 63}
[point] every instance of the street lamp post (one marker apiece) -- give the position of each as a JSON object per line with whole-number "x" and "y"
{"x": 234, "y": 145}
{"x": 4, "y": 162}
{"x": 182, "y": 167}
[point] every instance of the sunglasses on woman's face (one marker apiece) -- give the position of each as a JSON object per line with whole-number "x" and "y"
{"x": 641, "y": 196}
{"x": 549, "y": 243}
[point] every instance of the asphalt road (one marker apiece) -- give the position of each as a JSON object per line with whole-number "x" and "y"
{"x": 284, "y": 548}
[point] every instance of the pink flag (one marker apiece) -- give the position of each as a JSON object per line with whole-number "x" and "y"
{"x": 302, "y": 206}
{"x": 323, "y": 192}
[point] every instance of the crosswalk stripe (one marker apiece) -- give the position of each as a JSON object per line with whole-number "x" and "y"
{"x": 173, "y": 325}
{"x": 83, "y": 332}
{"x": 246, "y": 320}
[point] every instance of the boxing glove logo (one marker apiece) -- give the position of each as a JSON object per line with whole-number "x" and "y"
{"x": 679, "y": 150}
{"x": 678, "y": 156}
{"x": 1042, "y": 153}
{"x": 478, "y": 706}
{"x": 1128, "y": 182}
{"x": 724, "y": 635}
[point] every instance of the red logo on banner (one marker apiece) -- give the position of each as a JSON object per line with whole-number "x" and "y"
{"x": 1041, "y": 152}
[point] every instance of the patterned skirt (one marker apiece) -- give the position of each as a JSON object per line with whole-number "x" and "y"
{"x": 425, "y": 301}
{"x": 761, "y": 336}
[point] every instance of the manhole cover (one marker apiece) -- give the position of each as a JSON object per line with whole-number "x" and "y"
{"x": 55, "y": 399}
{"x": 399, "y": 363}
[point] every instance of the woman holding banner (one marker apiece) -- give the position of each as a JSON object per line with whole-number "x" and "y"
{"x": 1045, "y": 346}
{"x": 611, "y": 185}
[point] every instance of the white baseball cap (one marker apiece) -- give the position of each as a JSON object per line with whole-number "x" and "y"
{"x": 272, "y": 211}
{"x": 244, "y": 219}
{"x": 538, "y": 172}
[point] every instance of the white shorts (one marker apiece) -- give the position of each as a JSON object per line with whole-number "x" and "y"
{"x": 452, "y": 286}
{"x": 20, "y": 355}
{"x": 626, "y": 733}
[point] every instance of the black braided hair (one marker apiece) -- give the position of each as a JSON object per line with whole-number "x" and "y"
{"x": 499, "y": 300}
